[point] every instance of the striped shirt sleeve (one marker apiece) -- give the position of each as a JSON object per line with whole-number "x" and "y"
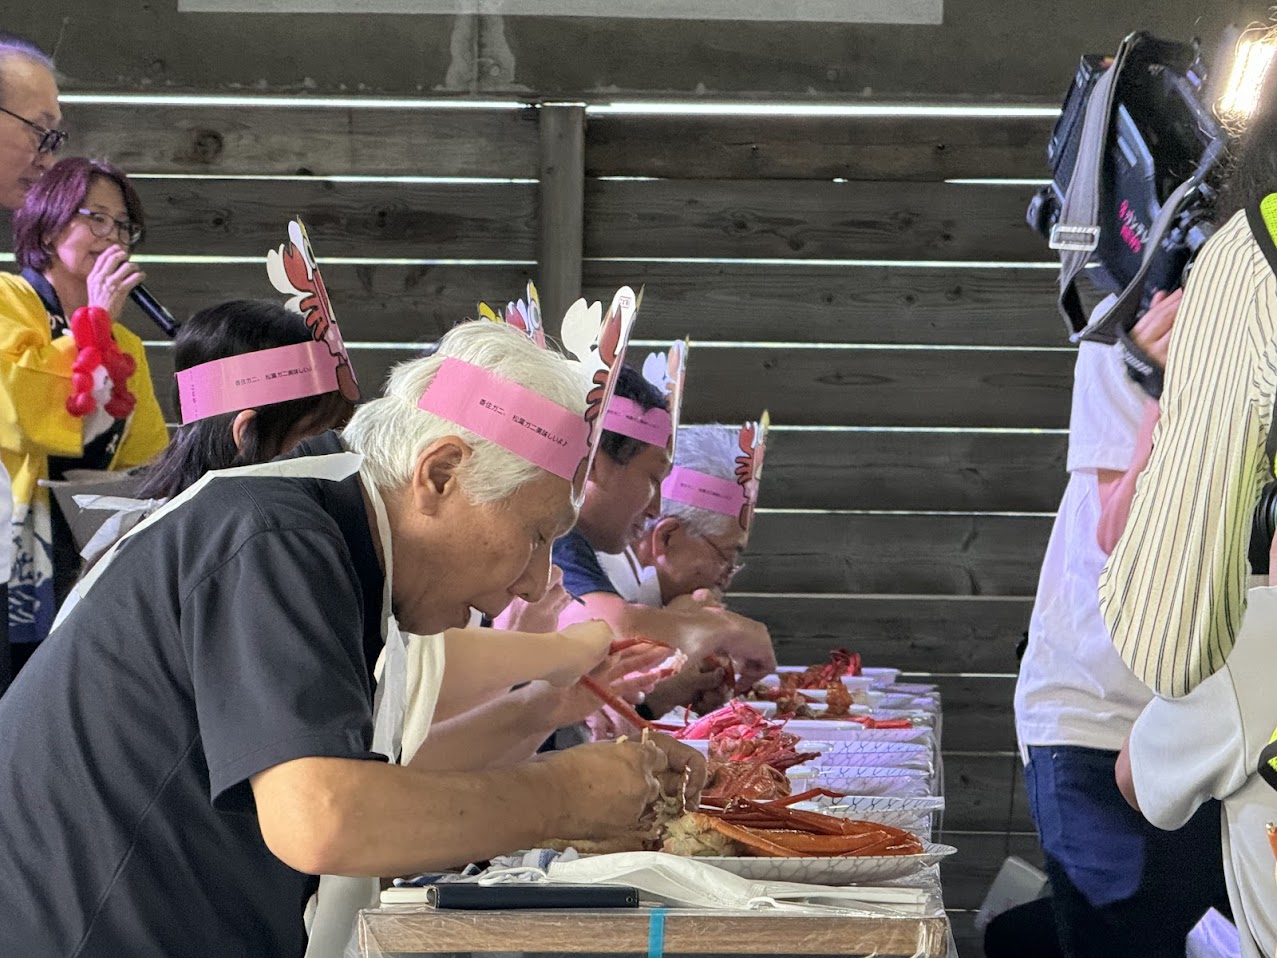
{"x": 1172, "y": 593}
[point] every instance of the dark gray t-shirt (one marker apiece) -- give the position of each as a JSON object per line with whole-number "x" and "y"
{"x": 235, "y": 634}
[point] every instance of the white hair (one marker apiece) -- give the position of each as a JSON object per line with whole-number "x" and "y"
{"x": 712, "y": 450}
{"x": 391, "y": 432}
{"x": 14, "y": 47}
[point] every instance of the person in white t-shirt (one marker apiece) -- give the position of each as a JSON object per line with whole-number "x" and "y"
{"x": 1119, "y": 885}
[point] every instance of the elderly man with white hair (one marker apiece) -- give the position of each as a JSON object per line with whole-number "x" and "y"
{"x": 195, "y": 740}
{"x": 696, "y": 541}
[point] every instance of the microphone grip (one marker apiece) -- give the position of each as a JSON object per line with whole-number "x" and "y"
{"x": 154, "y": 309}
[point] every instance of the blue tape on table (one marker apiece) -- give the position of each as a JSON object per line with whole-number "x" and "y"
{"x": 656, "y": 933}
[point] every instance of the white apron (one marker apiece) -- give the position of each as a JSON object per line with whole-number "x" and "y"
{"x": 340, "y": 898}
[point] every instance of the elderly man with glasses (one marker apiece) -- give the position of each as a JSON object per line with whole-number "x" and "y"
{"x": 29, "y": 138}
{"x": 29, "y": 118}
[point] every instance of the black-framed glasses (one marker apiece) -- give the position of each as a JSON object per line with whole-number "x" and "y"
{"x": 732, "y": 566}
{"x": 103, "y": 226}
{"x": 50, "y": 140}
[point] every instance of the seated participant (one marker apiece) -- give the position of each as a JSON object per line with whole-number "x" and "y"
{"x": 78, "y": 392}
{"x": 235, "y": 334}
{"x": 697, "y": 540}
{"x": 184, "y": 801}
{"x": 239, "y": 437}
{"x": 623, "y": 494}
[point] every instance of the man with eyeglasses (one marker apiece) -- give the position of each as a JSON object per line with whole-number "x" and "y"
{"x": 29, "y": 118}
{"x": 697, "y": 540}
{"x": 29, "y": 138}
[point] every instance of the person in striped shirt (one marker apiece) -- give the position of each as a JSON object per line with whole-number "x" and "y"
{"x": 1173, "y": 591}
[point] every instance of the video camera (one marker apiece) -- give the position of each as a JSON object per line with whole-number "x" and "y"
{"x": 1135, "y": 156}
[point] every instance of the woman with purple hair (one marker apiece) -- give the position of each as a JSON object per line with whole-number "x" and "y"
{"x": 75, "y": 390}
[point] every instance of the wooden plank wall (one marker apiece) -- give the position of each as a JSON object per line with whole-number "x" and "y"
{"x": 899, "y": 327}
{"x": 984, "y": 49}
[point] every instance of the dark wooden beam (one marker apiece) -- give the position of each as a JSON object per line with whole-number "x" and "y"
{"x": 983, "y": 49}
{"x": 562, "y": 208}
{"x": 967, "y": 471}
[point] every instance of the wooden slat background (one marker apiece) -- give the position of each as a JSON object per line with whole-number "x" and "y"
{"x": 901, "y": 330}
{"x": 234, "y": 217}
{"x": 983, "y": 50}
{"x": 316, "y": 141}
{"x": 804, "y": 303}
{"x": 833, "y": 387}
{"x": 817, "y": 148}
{"x": 808, "y": 219}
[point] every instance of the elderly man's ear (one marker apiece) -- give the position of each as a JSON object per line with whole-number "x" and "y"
{"x": 436, "y": 476}
{"x": 663, "y": 532}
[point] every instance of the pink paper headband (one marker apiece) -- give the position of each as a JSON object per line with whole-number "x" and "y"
{"x": 256, "y": 379}
{"x": 515, "y": 418}
{"x": 703, "y": 491}
{"x": 630, "y": 419}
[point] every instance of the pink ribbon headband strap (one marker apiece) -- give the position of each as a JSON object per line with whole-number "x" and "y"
{"x": 703, "y": 491}
{"x": 256, "y": 379}
{"x": 630, "y": 419}
{"x": 512, "y": 416}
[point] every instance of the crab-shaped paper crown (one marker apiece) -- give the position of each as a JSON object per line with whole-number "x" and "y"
{"x": 667, "y": 371}
{"x": 312, "y": 368}
{"x": 294, "y": 272}
{"x": 524, "y": 315}
{"x": 749, "y": 466}
{"x": 561, "y": 441}
{"x": 598, "y": 342}
{"x": 736, "y": 496}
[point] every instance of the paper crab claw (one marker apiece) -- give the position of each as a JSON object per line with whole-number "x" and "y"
{"x": 581, "y": 328}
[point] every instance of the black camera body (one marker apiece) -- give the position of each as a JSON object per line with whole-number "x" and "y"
{"x": 1161, "y": 133}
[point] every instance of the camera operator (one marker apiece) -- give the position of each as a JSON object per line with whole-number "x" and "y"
{"x": 1115, "y": 888}
{"x": 1172, "y": 592}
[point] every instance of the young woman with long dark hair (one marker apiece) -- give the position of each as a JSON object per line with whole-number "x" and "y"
{"x": 247, "y": 436}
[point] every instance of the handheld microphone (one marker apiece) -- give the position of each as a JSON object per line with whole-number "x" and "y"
{"x": 154, "y": 309}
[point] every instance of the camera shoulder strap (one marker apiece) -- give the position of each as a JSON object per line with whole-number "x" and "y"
{"x": 1077, "y": 233}
{"x": 1122, "y": 315}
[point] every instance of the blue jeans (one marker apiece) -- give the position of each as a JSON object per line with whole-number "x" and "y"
{"x": 1120, "y": 886}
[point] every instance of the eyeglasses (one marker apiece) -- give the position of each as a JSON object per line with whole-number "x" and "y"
{"x": 103, "y": 226}
{"x": 731, "y": 565}
{"x": 50, "y": 140}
